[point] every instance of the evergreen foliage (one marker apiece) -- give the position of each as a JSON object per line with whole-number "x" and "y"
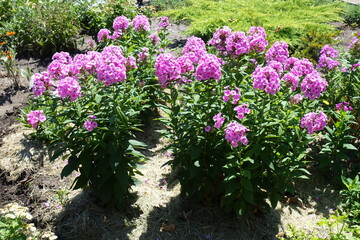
{"x": 287, "y": 20}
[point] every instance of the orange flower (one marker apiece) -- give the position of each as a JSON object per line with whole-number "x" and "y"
{"x": 9, "y": 57}
{"x": 2, "y": 43}
{"x": 6, "y": 53}
{"x": 10, "y": 33}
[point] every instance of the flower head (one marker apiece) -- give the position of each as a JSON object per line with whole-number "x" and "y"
{"x": 266, "y": 78}
{"x": 296, "y": 99}
{"x": 90, "y": 124}
{"x": 219, "y": 39}
{"x": 278, "y": 52}
{"x": 103, "y": 34}
{"x": 237, "y": 44}
{"x": 314, "y": 122}
{"x": 235, "y": 133}
{"x": 219, "y": 120}
{"x": 121, "y": 23}
{"x": 313, "y": 85}
{"x": 343, "y": 106}
{"x": 167, "y": 69}
{"x": 141, "y": 23}
{"x": 209, "y": 68}
{"x": 233, "y": 95}
{"x": 35, "y": 117}
{"x": 69, "y": 87}
{"x": 242, "y": 110}
{"x": 164, "y": 22}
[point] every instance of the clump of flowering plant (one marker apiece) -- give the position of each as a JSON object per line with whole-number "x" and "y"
{"x": 89, "y": 107}
{"x": 235, "y": 123}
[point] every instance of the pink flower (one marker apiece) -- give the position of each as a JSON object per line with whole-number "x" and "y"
{"x": 233, "y": 95}
{"x": 141, "y": 23}
{"x": 313, "y": 85}
{"x": 130, "y": 63}
{"x": 89, "y": 124}
{"x": 257, "y": 39}
{"x": 343, "y": 106}
{"x": 121, "y": 23}
{"x": 207, "y": 129}
{"x": 35, "y": 117}
{"x": 327, "y": 54}
{"x": 291, "y": 80}
{"x": 167, "y": 69}
{"x": 314, "y": 122}
{"x": 209, "y": 68}
{"x": 219, "y": 39}
{"x": 266, "y": 78}
{"x": 69, "y": 87}
{"x": 41, "y": 83}
{"x": 235, "y": 133}
{"x": 103, "y": 34}
{"x": 278, "y": 52}
{"x": 164, "y": 22}
{"x": 194, "y": 49}
{"x": 242, "y": 110}
{"x": 186, "y": 64}
{"x": 237, "y": 44}
{"x": 219, "y": 120}
{"x": 143, "y": 55}
{"x": 302, "y": 67}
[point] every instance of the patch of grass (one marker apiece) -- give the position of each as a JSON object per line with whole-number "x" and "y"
{"x": 168, "y": 4}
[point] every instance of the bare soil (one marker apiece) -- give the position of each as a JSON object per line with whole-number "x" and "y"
{"x": 157, "y": 210}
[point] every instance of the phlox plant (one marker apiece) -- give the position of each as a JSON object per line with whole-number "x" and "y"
{"x": 241, "y": 116}
{"x": 88, "y": 107}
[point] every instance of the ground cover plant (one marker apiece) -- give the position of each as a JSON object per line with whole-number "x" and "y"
{"x": 290, "y": 21}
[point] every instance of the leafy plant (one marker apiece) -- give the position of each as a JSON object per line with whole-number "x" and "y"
{"x": 93, "y": 111}
{"x": 351, "y": 199}
{"x": 352, "y": 15}
{"x": 14, "y": 224}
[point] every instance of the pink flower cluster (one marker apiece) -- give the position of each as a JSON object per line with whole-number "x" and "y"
{"x": 164, "y": 22}
{"x": 209, "y": 68}
{"x": 69, "y": 87}
{"x": 130, "y": 63}
{"x": 266, "y": 78}
{"x": 35, "y": 117}
{"x": 141, "y": 23}
{"x": 194, "y": 49}
{"x": 90, "y": 124}
{"x": 313, "y": 85}
{"x": 238, "y": 43}
{"x": 219, "y": 39}
{"x": 314, "y": 122}
{"x": 121, "y": 23}
{"x": 219, "y": 120}
{"x": 103, "y": 34}
{"x": 278, "y": 52}
{"x": 111, "y": 67}
{"x": 41, "y": 83}
{"x": 233, "y": 95}
{"x": 343, "y": 106}
{"x": 327, "y": 54}
{"x": 235, "y": 133}
{"x": 257, "y": 39}
{"x": 167, "y": 69}
{"x": 242, "y": 110}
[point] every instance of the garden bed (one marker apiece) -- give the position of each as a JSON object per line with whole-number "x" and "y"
{"x": 156, "y": 211}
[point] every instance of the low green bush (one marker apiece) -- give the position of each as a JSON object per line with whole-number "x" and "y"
{"x": 352, "y": 15}
{"x": 290, "y": 21}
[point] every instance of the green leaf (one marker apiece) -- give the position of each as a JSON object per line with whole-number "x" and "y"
{"x": 246, "y": 183}
{"x": 137, "y": 143}
{"x": 98, "y": 98}
{"x": 274, "y": 199}
{"x": 349, "y": 146}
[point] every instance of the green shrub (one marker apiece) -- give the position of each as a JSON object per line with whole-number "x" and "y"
{"x": 352, "y": 15}
{"x": 168, "y": 4}
{"x": 290, "y": 21}
{"x": 351, "y": 199}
